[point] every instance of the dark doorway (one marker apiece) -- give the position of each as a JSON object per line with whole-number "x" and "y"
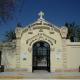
{"x": 41, "y": 56}
{"x": 0, "y": 57}
{"x": 1, "y": 66}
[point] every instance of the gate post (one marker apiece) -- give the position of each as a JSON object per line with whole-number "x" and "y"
{"x": 79, "y": 68}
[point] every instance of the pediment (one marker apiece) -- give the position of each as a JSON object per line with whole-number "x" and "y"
{"x": 40, "y": 24}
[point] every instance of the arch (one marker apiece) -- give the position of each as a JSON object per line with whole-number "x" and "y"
{"x": 0, "y": 56}
{"x": 41, "y": 37}
{"x": 41, "y": 56}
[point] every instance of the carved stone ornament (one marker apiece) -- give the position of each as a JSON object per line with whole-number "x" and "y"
{"x": 18, "y": 32}
{"x": 29, "y": 49}
{"x": 64, "y": 32}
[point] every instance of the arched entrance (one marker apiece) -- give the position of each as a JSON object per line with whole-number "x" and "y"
{"x": 0, "y": 57}
{"x": 41, "y": 56}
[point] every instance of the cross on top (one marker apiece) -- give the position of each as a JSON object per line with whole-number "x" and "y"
{"x": 41, "y": 14}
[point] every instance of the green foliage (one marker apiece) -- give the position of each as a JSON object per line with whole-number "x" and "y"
{"x": 19, "y": 25}
{"x": 10, "y": 35}
{"x": 73, "y": 31}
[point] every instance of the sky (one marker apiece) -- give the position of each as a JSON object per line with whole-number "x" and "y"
{"x": 55, "y": 11}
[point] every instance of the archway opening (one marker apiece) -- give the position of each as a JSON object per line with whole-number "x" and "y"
{"x": 41, "y": 56}
{"x": 0, "y": 57}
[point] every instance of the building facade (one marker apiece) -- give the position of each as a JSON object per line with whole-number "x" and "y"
{"x": 41, "y": 46}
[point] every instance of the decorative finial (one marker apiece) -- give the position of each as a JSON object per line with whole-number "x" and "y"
{"x": 41, "y": 14}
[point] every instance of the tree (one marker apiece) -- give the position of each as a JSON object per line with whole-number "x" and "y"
{"x": 7, "y": 7}
{"x": 73, "y": 31}
{"x": 10, "y": 35}
{"x": 78, "y": 33}
{"x": 19, "y": 25}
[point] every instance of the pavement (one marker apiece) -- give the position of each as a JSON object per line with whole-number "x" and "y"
{"x": 41, "y": 75}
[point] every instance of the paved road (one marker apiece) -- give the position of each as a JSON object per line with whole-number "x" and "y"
{"x": 40, "y": 74}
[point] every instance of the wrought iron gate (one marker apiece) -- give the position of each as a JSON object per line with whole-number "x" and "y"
{"x": 41, "y": 56}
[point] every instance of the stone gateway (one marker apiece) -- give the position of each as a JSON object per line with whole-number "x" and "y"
{"x": 40, "y": 46}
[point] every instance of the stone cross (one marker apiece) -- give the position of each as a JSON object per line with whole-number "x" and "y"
{"x": 41, "y": 14}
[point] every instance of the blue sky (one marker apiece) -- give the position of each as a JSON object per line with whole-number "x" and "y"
{"x": 56, "y": 11}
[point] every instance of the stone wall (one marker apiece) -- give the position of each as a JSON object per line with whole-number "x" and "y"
{"x": 73, "y": 56}
{"x": 8, "y": 55}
